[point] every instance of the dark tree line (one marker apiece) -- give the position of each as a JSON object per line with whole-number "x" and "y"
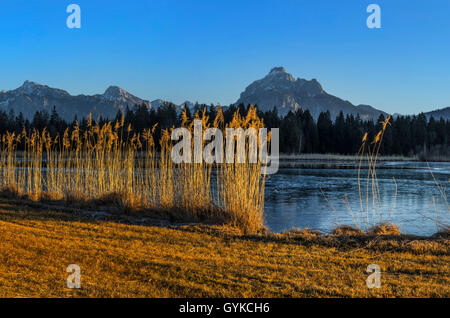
{"x": 407, "y": 135}
{"x": 299, "y": 132}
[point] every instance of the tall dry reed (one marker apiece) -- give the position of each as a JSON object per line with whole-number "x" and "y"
{"x": 110, "y": 162}
{"x": 371, "y": 211}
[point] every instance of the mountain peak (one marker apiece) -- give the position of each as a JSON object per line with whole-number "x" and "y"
{"x": 278, "y": 69}
{"x": 279, "y": 74}
{"x": 279, "y": 88}
{"x": 30, "y": 85}
{"x": 114, "y": 92}
{"x": 33, "y": 88}
{"x": 119, "y": 95}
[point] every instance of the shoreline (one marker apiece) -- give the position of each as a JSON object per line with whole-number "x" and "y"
{"x": 338, "y": 157}
{"x": 332, "y": 161}
{"x": 173, "y": 220}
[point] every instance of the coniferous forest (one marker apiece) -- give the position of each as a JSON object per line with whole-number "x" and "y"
{"x": 299, "y": 132}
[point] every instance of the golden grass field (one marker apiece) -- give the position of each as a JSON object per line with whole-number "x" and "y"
{"x": 119, "y": 260}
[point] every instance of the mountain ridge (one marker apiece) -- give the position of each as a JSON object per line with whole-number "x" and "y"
{"x": 32, "y": 97}
{"x": 278, "y": 88}
{"x": 439, "y": 113}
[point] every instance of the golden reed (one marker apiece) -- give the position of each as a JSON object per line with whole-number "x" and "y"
{"x": 371, "y": 212}
{"x": 112, "y": 162}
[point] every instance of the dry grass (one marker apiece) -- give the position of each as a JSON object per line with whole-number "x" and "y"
{"x": 377, "y": 230}
{"x": 347, "y": 230}
{"x": 371, "y": 213}
{"x": 384, "y": 229}
{"x": 119, "y": 260}
{"x": 111, "y": 163}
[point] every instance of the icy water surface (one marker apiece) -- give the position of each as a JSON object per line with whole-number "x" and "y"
{"x": 321, "y": 199}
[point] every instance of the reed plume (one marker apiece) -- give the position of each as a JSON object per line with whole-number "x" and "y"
{"x": 111, "y": 162}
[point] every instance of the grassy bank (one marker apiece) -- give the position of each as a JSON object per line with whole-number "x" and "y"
{"x": 126, "y": 260}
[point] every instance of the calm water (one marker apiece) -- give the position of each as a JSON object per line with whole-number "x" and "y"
{"x": 316, "y": 198}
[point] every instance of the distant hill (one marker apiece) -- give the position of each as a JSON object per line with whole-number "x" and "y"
{"x": 281, "y": 89}
{"x": 439, "y": 113}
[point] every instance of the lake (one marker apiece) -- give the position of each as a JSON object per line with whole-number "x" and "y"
{"x": 322, "y": 199}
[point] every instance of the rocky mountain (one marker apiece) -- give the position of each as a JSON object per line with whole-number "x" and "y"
{"x": 117, "y": 95}
{"x": 282, "y": 90}
{"x": 31, "y": 97}
{"x": 278, "y": 88}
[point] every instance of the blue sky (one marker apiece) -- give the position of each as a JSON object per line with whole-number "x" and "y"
{"x": 209, "y": 51}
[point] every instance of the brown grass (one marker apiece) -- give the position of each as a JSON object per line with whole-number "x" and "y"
{"x": 384, "y": 229}
{"x": 125, "y": 260}
{"x": 347, "y": 230}
{"x": 381, "y": 229}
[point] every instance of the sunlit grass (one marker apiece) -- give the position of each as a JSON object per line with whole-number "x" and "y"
{"x": 120, "y": 260}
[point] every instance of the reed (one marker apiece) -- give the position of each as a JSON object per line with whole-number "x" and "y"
{"x": 371, "y": 213}
{"x": 370, "y": 217}
{"x": 245, "y": 209}
{"x": 111, "y": 163}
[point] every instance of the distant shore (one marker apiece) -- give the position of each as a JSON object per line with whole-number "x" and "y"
{"x": 336, "y": 161}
